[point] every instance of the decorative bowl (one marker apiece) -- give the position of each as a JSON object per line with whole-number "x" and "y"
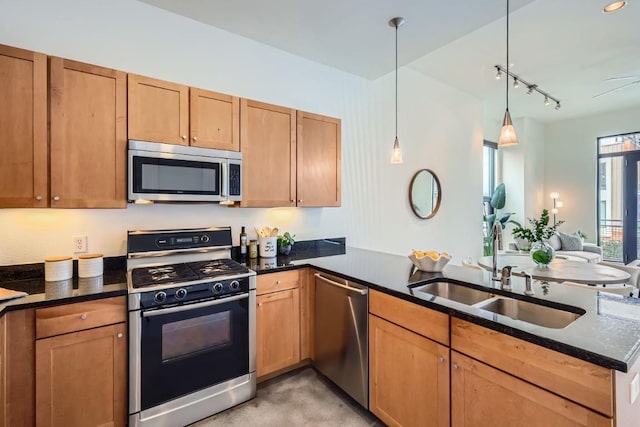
{"x": 431, "y": 262}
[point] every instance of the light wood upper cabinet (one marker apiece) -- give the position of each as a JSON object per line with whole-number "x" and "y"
{"x": 268, "y": 135}
{"x": 318, "y": 160}
{"x": 158, "y": 110}
{"x": 484, "y": 396}
{"x": 23, "y": 128}
{"x": 172, "y": 113}
{"x": 277, "y": 331}
{"x": 88, "y": 135}
{"x": 215, "y": 120}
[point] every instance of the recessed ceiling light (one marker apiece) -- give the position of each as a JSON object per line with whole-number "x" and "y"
{"x": 614, "y": 6}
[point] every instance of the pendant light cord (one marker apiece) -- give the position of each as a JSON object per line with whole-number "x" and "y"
{"x": 396, "y": 81}
{"x": 507, "y": 66}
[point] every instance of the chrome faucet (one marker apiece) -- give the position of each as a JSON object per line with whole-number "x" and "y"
{"x": 496, "y": 238}
{"x": 527, "y": 283}
{"x": 505, "y": 278}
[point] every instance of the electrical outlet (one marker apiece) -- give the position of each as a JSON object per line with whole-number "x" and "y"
{"x": 79, "y": 244}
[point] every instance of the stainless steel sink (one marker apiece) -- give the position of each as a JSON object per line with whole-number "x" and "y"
{"x": 455, "y": 292}
{"x": 540, "y": 315}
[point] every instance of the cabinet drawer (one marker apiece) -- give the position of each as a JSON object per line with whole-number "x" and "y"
{"x": 575, "y": 379}
{"x": 421, "y": 320}
{"x": 277, "y": 281}
{"x": 67, "y": 318}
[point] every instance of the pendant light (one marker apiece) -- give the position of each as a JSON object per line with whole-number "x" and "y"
{"x": 507, "y": 133}
{"x": 396, "y": 153}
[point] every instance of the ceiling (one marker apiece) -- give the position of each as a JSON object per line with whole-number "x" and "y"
{"x": 569, "y": 47}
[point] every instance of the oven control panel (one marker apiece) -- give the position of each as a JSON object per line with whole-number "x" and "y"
{"x": 147, "y": 242}
{"x": 187, "y": 293}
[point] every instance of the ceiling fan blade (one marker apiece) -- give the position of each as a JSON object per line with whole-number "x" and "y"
{"x": 615, "y": 89}
{"x": 621, "y": 78}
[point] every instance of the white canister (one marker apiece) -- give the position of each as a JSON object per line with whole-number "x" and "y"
{"x": 58, "y": 289}
{"x": 58, "y": 268}
{"x": 268, "y": 247}
{"x": 90, "y": 265}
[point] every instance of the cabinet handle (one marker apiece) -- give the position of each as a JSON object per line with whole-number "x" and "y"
{"x": 56, "y": 198}
{"x": 184, "y": 137}
{"x": 38, "y": 198}
{"x": 83, "y": 316}
{"x": 119, "y": 335}
{"x": 260, "y": 304}
{"x": 277, "y": 282}
{"x": 455, "y": 366}
{"x": 194, "y": 139}
{"x": 441, "y": 359}
{"x": 299, "y": 200}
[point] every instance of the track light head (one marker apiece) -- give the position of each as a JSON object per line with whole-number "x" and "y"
{"x": 557, "y": 105}
{"x": 546, "y": 100}
{"x": 498, "y": 74}
{"x": 516, "y": 83}
{"x": 530, "y": 90}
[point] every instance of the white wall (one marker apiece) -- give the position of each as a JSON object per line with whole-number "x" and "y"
{"x": 439, "y": 128}
{"x": 571, "y": 164}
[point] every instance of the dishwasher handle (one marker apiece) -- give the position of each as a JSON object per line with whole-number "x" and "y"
{"x": 363, "y": 291}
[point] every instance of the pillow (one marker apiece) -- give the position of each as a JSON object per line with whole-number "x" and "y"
{"x": 555, "y": 242}
{"x": 570, "y": 242}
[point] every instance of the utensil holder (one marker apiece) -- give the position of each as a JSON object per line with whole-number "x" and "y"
{"x": 268, "y": 247}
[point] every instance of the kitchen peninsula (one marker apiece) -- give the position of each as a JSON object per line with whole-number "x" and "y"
{"x": 588, "y": 364}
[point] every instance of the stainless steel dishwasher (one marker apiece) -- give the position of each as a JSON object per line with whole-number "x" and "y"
{"x": 341, "y": 334}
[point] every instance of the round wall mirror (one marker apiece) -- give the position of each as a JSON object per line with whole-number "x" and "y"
{"x": 424, "y": 194}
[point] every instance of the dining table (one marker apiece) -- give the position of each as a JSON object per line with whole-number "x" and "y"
{"x": 559, "y": 270}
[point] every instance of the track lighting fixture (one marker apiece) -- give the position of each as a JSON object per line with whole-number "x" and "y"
{"x": 498, "y": 74}
{"x": 531, "y": 87}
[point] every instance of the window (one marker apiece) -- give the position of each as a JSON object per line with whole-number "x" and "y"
{"x": 488, "y": 173}
{"x": 602, "y": 176}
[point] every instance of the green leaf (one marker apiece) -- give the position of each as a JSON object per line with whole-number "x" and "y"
{"x": 541, "y": 257}
{"x": 498, "y": 198}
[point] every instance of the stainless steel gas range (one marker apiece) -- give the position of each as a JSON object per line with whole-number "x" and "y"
{"x": 192, "y": 326}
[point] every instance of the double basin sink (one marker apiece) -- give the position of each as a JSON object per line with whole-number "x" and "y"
{"x": 516, "y": 309}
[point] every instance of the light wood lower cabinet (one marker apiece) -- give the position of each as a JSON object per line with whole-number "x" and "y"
{"x": 484, "y": 396}
{"x": 81, "y": 365}
{"x": 408, "y": 376}
{"x": 277, "y": 331}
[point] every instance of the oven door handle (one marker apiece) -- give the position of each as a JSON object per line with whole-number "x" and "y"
{"x": 161, "y": 311}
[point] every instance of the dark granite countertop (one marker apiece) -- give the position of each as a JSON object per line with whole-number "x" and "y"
{"x": 608, "y": 334}
{"x": 29, "y": 279}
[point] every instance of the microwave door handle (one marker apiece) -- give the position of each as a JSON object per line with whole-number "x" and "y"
{"x": 224, "y": 185}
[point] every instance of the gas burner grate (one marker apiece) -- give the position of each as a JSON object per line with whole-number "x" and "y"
{"x": 218, "y": 267}
{"x": 162, "y": 274}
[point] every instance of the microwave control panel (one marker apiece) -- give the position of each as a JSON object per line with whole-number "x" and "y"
{"x": 234, "y": 180}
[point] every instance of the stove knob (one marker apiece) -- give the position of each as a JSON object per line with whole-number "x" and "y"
{"x": 234, "y": 285}
{"x": 181, "y": 293}
{"x": 204, "y": 238}
{"x": 217, "y": 288}
{"x": 160, "y": 296}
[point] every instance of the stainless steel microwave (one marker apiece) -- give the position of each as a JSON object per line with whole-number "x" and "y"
{"x": 180, "y": 173}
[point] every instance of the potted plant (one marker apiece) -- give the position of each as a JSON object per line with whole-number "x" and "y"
{"x": 541, "y": 252}
{"x": 498, "y": 200}
{"x": 285, "y": 241}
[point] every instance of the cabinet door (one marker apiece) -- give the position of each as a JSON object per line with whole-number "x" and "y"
{"x": 482, "y": 395}
{"x": 23, "y": 128}
{"x": 277, "y": 331}
{"x": 81, "y": 378}
{"x": 88, "y": 135}
{"x": 215, "y": 120}
{"x": 318, "y": 160}
{"x": 408, "y": 377}
{"x": 158, "y": 110}
{"x": 268, "y": 135}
